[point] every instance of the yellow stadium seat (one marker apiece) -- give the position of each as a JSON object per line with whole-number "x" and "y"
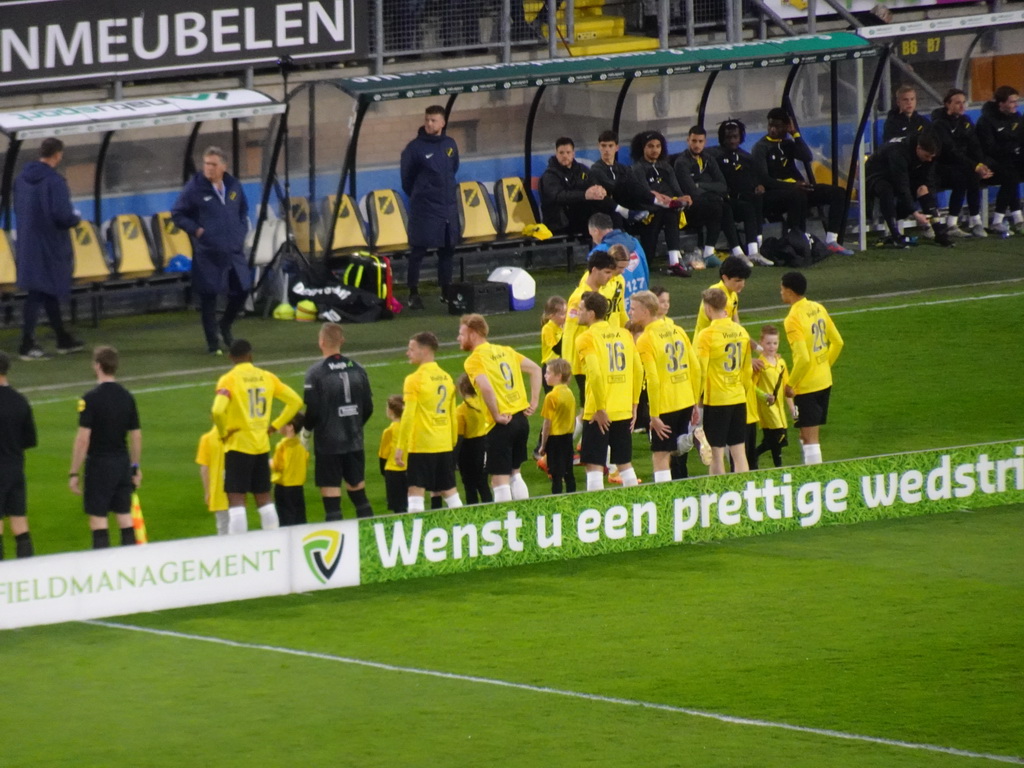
{"x": 303, "y": 227}
{"x": 170, "y": 240}
{"x": 349, "y": 229}
{"x": 476, "y": 212}
{"x": 388, "y": 220}
{"x": 90, "y": 261}
{"x": 132, "y": 253}
{"x": 515, "y": 206}
{"x": 8, "y": 270}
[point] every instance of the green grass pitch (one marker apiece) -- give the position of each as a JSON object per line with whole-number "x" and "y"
{"x": 852, "y": 646}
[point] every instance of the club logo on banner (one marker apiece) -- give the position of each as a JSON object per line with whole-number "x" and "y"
{"x": 323, "y": 553}
{"x": 324, "y": 556}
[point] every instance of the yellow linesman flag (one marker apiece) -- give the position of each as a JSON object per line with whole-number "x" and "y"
{"x": 138, "y": 521}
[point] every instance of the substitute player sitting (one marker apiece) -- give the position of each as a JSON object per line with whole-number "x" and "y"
{"x": 723, "y": 349}
{"x": 615, "y": 377}
{"x": 241, "y": 412}
{"x": 673, "y": 380}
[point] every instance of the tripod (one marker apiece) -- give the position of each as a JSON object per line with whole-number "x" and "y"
{"x": 288, "y": 251}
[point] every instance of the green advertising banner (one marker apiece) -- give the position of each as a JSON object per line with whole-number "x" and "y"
{"x": 687, "y": 511}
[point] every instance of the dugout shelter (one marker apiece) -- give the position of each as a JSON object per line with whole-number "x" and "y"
{"x": 505, "y": 118}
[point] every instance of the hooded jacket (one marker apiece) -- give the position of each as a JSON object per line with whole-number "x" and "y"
{"x": 429, "y": 165}
{"x": 1001, "y": 135}
{"x": 43, "y": 215}
{"x": 898, "y": 163}
{"x": 563, "y": 196}
{"x": 221, "y": 249}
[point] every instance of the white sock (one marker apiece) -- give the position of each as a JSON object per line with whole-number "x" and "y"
{"x": 831, "y": 237}
{"x": 502, "y": 492}
{"x": 519, "y": 489}
{"x": 901, "y": 226}
{"x": 674, "y": 257}
{"x": 662, "y": 475}
{"x": 997, "y": 217}
{"x": 595, "y": 481}
{"x": 453, "y": 501}
{"x": 623, "y": 212}
{"x": 223, "y": 519}
{"x": 812, "y": 453}
{"x": 951, "y": 221}
{"x": 628, "y": 477}
{"x": 974, "y": 220}
{"x": 1018, "y": 216}
{"x": 760, "y": 241}
{"x": 268, "y": 517}
{"x": 415, "y": 504}
{"x": 737, "y": 251}
{"x": 709, "y": 250}
{"x": 236, "y": 520}
{"x": 753, "y": 249}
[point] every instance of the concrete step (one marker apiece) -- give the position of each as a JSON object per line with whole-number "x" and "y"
{"x": 591, "y": 28}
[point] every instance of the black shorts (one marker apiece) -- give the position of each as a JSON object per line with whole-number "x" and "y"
{"x": 679, "y": 423}
{"x": 290, "y": 501}
{"x": 432, "y": 471}
{"x": 246, "y": 472}
{"x": 12, "y": 490}
{"x": 506, "y": 445}
{"x": 332, "y": 468}
{"x": 108, "y": 486}
{"x": 596, "y": 443}
{"x": 812, "y": 408}
{"x": 397, "y": 490}
{"x": 725, "y": 425}
{"x": 559, "y": 452}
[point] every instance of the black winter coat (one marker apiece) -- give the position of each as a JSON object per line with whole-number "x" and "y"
{"x": 429, "y": 165}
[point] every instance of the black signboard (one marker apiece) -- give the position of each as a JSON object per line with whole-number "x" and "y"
{"x": 56, "y": 43}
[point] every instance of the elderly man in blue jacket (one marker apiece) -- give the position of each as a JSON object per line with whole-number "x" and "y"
{"x": 429, "y": 164}
{"x": 213, "y": 209}
{"x": 44, "y": 257}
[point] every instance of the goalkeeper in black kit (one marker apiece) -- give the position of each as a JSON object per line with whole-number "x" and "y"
{"x": 338, "y": 405}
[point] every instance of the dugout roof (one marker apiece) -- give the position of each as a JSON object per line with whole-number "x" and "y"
{"x": 782, "y": 52}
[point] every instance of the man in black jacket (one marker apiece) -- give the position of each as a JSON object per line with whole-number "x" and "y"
{"x": 904, "y": 120}
{"x": 429, "y": 164}
{"x": 338, "y": 404}
{"x": 1002, "y": 138}
{"x": 776, "y": 157}
{"x": 901, "y": 176}
{"x": 617, "y": 180}
{"x": 568, "y": 195}
{"x": 962, "y": 165}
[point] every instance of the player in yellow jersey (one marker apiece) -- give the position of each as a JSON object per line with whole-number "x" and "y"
{"x": 614, "y": 379}
{"x": 497, "y": 374}
{"x": 600, "y": 270}
{"x": 673, "y": 380}
{"x": 723, "y": 349}
{"x": 474, "y": 422}
{"x": 210, "y": 458}
{"x": 772, "y": 402}
{"x": 241, "y": 412}
{"x": 815, "y": 343}
{"x": 396, "y": 489}
{"x": 734, "y": 274}
{"x": 288, "y": 473}
{"x": 426, "y": 436}
{"x": 559, "y": 412}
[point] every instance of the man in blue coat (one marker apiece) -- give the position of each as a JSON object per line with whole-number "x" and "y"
{"x": 429, "y": 164}
{"x": 45, "y": 260}
{"x": 213, "y": 210}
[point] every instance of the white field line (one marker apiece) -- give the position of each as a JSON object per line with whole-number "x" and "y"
{"x": 79, "y": 385}
{"x": 825, "y": 732}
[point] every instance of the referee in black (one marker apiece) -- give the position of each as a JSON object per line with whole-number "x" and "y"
{"x": 338, "y": 405}
{"x": 109, "y": 443}
{"x": 17, "y": 432}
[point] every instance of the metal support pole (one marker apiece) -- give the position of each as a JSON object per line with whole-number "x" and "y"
{"x": 833, "y": 79}
{"x": 691, "y": 29}
{"x": 505, "y": 24}
{"x": 862, "y": 184}
{"x": 620, "y": 102}
{"x": 664, "y": 18}
{"x": 528, "y": 140}
{"x": 857, "y": 161}
{"x": 812, "y": 17}
{"x": 378, "y": 34}
{"x": 10, "y": 158}
{"x": 702, "y": 107}
{"x": 311, "y": 134}
{"x": 570, "y": 22}
{"x": 552, "y": 30}
{"x": 97, "y": 189}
